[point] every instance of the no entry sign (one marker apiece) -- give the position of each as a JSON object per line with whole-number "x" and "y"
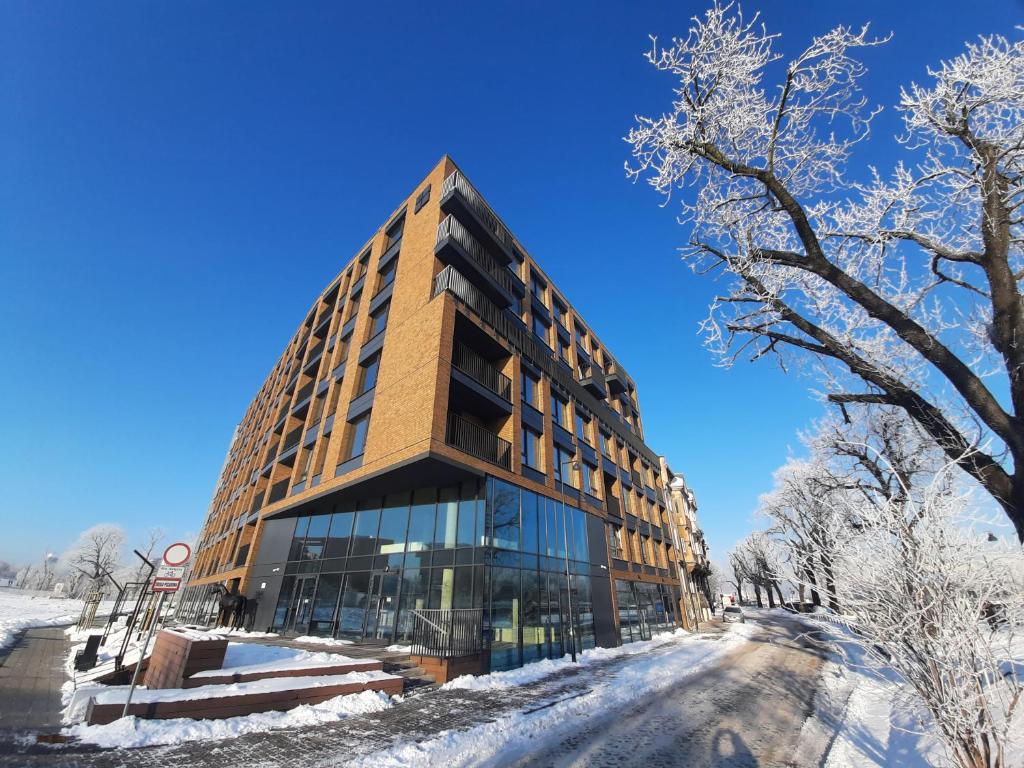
{"x": 177, "y": 554}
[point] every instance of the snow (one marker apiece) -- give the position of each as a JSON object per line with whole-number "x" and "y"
{"x": 135, "y": 732}
{"x": 399, "y": 648}
{"x": 117, "y": 694}
{"x": 509, "y": 737}
{"x": 245, "y": 658}
{"x": 19, "y": 611}
{"x": 315, "y": 640}
{"x": 225, "y": 631}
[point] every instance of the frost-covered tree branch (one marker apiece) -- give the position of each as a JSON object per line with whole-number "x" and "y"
{"x": 902, "y": 289}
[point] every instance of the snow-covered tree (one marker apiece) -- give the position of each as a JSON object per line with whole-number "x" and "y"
{"x": 96, "y": 553}
{"x": 902, "y": 288}
{"x": 926, "y": 591}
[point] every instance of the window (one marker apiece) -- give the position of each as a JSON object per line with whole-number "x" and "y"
{"x": 387, "y": 275}
{"x": 531, "y": 448}
{"x": 343, "y": 345}
{"x": 581, "y": 337}
{"x": 558, "y": 311}
{"x": 562, "y": 460}
{"x": 588, "y": 475}
{"x": 379, "y": 320}
{"x": 541, "y": 329}
{"x": 615, "y": 539}
{"x": 364, "y": 262}
{"x": 559, "y": 410}
{"x": 537, "y": 287}
{"x": 421, "y": 199}
{"x": 394, "y": 232}
{"x": 353, "y": 307}
{"x": 369, "y": 374}
{"x": 583, "y": 370}
{"x": 357, "y": 435}
{"x": 530, "y": 385}
{"x": 582, "y": 426}
{"x": 563, "y": 350}
{"x": 318, "y": 407}
{"x": 305, "y": 462}
{"x": 604, "y": 439}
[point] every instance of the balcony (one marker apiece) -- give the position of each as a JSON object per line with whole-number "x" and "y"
{"x": 459, "y": 196}
{"x": 594, "y": 383}
{"x": 617, "y": 381}
{"x": 478, "y": 441}
{"x": 481, "y": 371}
{"x": 456, "y": 246}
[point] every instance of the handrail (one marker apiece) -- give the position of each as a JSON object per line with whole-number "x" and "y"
{"x": 447, "y": 632}
{"x": 478, "y": 441}
{"x": 456, "y": 181}
{"x": 478, "y": 369}
{"x": 452, "y": 228}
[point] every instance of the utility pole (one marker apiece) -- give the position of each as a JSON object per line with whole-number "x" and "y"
{"x": 565, "y": 537}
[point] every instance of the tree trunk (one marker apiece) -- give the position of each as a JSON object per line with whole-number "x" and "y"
{"x": 771, "y": 597}
{"x": 757, "y": 594}
{"x": 813, "y": 580}
{"x": 830, "y": 583}
{"x": 778, "y": 590}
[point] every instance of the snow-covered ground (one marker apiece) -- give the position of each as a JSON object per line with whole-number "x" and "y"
{"x": 679, "y": 655}
{"x": 19, "y": 612}
{"x": 242, "y": 658}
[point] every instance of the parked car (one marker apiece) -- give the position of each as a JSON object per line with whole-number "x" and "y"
{"x": 733, "y": 613}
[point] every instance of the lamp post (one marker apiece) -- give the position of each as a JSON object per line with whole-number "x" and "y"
{"x": 565, "y": 537}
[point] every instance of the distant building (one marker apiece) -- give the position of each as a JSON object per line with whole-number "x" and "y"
{"x": 412, "y": 448}
{"x": 695, "y": 566}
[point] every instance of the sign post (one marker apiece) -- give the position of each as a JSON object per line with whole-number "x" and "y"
{"x": 167, "y": 579}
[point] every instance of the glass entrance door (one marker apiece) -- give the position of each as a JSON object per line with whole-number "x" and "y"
{"x": 382, "y": 607}
{"x": 301, "y": 609}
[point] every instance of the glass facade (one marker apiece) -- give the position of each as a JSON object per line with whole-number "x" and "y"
{"x": 359, "y": 571}
{"x": 644, "y": 608}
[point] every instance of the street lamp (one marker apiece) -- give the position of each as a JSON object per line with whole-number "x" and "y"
{"x": 565, "y": 538}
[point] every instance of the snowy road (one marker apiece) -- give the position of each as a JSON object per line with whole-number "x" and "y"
{"x": 745, "y": 710}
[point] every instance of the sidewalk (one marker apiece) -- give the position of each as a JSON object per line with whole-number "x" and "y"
{"x": 31, "y": 676}
{"x": 418, "y": 717}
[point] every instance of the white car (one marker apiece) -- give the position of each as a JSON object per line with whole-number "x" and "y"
{"x": 732, "y": 614}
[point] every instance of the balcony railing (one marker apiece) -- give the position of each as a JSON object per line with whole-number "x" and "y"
{"x": 478, "y": 441}
{"x": 478, "y": 369}
{"x": 511, "y": 328}
{"x": 452, "y": 228}
{"x": 292, "y": 439}
{"x": 456, "y": 181}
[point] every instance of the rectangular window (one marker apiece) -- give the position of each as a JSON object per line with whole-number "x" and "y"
{"x": 581, "y": 337}
{"x": 358, "y": 430}
{"x": 387, "y": 275}
{"x": 394, "y": 233}
{"x": 530, "y": 385}
{"x": 583, "y": 370}
{"x": 563, "y": 351}
{"x": 563, "y": 464}
{"x": 537, "y": 287}
{"x": 421, "y": 199}
{"x": 541, "y": 329}
{"x": 558, "y": 312}
{"x": 583, "y": 427}
{"x": 364, "y": 262}
{"x": 603, "y": 439}
{"x": 369, "y": 374}
{"x": 531, "y": 448}
{"x": 587, "y": 478}
{"x": 379, "y": 320}
{"x": 559, "y": 410}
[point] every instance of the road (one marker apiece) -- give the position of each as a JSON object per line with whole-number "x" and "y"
{"x": 746, "y": 710}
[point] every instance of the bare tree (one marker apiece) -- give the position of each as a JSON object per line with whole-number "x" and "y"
{"x": 97, "y": 552}
{"x": 904, "y": 289}
{"x": 153, "y": 537}
{"x": 741, "y": 570}
{"x": 925, "y": 591}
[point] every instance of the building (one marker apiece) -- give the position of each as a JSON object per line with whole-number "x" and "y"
{"x": 694, "y": 563}
{"x": 439, "y": 406}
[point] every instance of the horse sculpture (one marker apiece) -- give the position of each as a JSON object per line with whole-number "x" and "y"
{"x": 232, "y": 607}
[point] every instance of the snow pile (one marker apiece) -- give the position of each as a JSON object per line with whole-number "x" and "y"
{"x": 315, "y": 640}
{"x": 538, "y": 670}
{"x": 399, "y": 648}
{"x": 245, "y": 658}
{"x": 19, "y": 612}
{"x": 135, "y": 732}
{"x": 223, "y": 631}
{"x": 509, "y": 737}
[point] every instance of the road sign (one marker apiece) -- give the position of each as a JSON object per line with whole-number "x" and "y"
{"x": 170, "y": 572}
{"x": 166, "y": 585}
{"x": 177, "y": 554}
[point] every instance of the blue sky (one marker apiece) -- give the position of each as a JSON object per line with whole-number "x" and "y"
{"x": 178, "y": 180}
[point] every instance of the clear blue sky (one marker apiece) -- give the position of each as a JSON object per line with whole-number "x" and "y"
{"x": 178, "y": 180}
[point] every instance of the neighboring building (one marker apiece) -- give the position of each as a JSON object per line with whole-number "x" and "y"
{"x": 407, "y": 451}
{"x": 691, "y": 547}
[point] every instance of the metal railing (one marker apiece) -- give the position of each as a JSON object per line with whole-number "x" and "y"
{"x": 478, "y": 369}
{"x": 452, "y": 281}
{"x": 452, "y": 228}
{"x": 478, "y": 441}
{"x": 456, "y": 181}
{"x": 292, "y": 439}
{"x": 447, "y": 632}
